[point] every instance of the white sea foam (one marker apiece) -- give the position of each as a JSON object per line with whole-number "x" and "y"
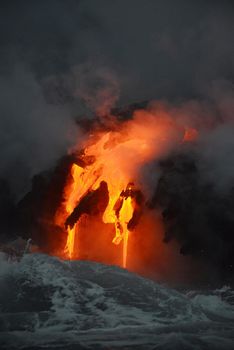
{"x": 49, "y": 302}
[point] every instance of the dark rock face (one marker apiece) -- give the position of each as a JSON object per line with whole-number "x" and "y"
{"x": 7, "y": 211}
{"x": 36, "y": 210}
{"x": 92, "y": 203}
{"x": 194, "y": 214}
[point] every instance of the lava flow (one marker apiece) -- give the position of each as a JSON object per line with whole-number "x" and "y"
{"x": 105, "y": 182}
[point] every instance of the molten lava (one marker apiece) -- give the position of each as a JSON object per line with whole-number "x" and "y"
{"x": 116, "y": 159}
{"x": 125, "y": 216}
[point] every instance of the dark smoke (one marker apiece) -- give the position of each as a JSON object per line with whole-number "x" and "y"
{"x": 80, "y": 55}
{"x": 33, "y": 133}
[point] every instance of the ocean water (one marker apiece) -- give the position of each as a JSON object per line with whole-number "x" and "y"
{"x": 48, "y": 303}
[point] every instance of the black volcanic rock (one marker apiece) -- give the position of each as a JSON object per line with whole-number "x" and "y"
{"x": 36, "y": 210}
{"x": 194, "y": 214}
{"x": 7, "y": 212}
{"x": 126, "y": 112}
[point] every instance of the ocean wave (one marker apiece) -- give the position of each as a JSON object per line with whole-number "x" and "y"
{"x": 45, "y": 301}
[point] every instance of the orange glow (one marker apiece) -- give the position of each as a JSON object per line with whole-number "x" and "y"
{"x": 117, "y": 158}
{"x": 190, "y": 134}
{"x": 76, "y": 189}
{"x": 69, "y": 248}
{"x": 125, "y": 216}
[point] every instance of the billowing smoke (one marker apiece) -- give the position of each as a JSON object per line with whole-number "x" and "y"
{"x": 34, "y": 134}
{"x": 95, "y": 55}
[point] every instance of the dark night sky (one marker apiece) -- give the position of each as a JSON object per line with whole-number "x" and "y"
{"x": 156, "y": 48}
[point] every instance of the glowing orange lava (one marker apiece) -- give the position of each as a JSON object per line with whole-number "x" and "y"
{"x": 116, "y": 157}
{"x": 125, "y": 215}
